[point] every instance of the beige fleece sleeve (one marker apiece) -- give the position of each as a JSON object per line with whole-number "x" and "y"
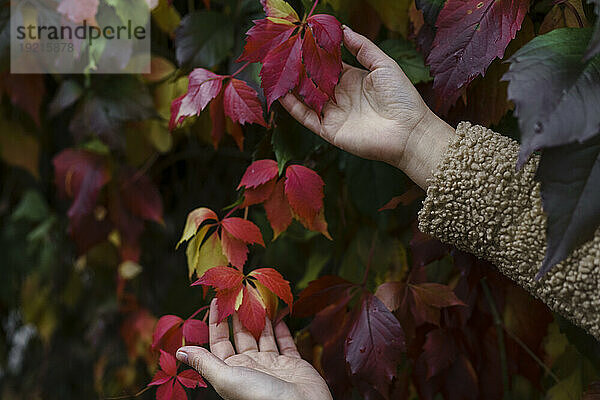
{"x": 478, "y": 202}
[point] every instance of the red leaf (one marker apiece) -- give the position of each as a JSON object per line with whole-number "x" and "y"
{"x": 191, "y": 379}
{"x": 243, "y": 230}
{"x": 163, "y": 326}
{"x": 375, "y": 345}
{"x": 234, "y": 249}
{"x": 320, "y": 294}
{"x": 175, "y": 107}
{"x": 25, "y": 91}
{"x": 470, "y": 35}
{"x": 203, "y": 87}
{"x": 259, "y": 173}
{"x": 221, "y": 278}
{"x": 304, "y": 190}
{"x": 252, "y": 312}
{"x": 275, "y": 283}
{"x": 438, "y": 351}
{"x": 259, "y": 195}
{"x": 312, "y": 95}
{"x": 165, "y": 391}
{"x": 168, "y": 363}
{"x": 281, "y": 69}
{"x": 141, "y": 196}
{"x": 159, "y": 378}
{"x": 226, "y": 302}
{"x": 217, "y": 116}
{"x": 235, "y": 130}
{"x": 436, "y": 295}
{"x": 328, "y": 32}
{"x": 195, "y": 332}
{"x": 278, "y": 210}
{"x": 263, "y": 37}
{"x": 81, "y": 175}
{"x": 319, "y": 224}
{"x": 406, "y": 199}
{"x": 242, "y": 104}
{"x": 323, "y": 67}
{"x": 178, "y": 392}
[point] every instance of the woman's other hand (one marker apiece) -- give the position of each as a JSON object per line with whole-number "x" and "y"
{"x": 268, "y": 369}
{"x": 379, "y": 114}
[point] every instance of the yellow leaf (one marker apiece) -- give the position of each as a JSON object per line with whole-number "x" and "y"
{"x": 393, "y": 13}
{"x": 193, "y": 222}
{"x": 280, "y": 9}
{"x": 158, "y": 135}
{"x": 18, "y": 148}
{"x": 204, "y": 256}
{"x": 280, "y": 21}
{"x": 166, "y": 17}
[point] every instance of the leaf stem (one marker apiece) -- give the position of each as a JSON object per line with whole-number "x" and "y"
{"x": 234, "y": 209}
{"x": 312, "y": 10}
{"x": 500, "y": 334}
{"x": 198, "y": 311}
{"x": 243, "y": 67}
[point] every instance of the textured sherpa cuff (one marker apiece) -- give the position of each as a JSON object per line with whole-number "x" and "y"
{"x": 478, "y": 202}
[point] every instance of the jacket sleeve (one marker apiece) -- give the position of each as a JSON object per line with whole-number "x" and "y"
{"x": 478, "y": 202}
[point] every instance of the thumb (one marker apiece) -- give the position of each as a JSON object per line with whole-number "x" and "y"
{"x": 211, "y": 367}
{"x": 366, "y": 52}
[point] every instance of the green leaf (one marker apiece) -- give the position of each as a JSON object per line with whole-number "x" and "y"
{"x": 556, "y": 95}
{"x": 136, "y": 11}
{"x": 32, "y": 207}
{"x": 204, "y": 39}
{"x": 570, "y": 179}
{"x": 409, "y": 59}
{"x": 394, "y": 14}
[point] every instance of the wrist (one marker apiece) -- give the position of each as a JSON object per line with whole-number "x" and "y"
{"x": 425, "y": 148}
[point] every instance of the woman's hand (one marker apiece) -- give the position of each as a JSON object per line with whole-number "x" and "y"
{"x": 379, "y": 114}
{"x": 269, "y": 369}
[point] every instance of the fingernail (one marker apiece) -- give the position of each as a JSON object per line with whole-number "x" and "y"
{"x": 344, "y": 27}
{"x": 182, "y": 356}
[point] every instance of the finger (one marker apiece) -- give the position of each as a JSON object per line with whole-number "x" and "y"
{"x": 244, "y": 341}
{"x": 266, "y": 342}
{"x": 286, "y": 344}
{"x": 218, "y": 334}
{"x": 366, "y": 52}
{"x": 211, "y": 367}
{"x": 301, "y": 112}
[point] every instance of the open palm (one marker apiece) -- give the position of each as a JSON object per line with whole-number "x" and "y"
{"x": 268, "y": 369}
{"x": 376, "y": 111}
